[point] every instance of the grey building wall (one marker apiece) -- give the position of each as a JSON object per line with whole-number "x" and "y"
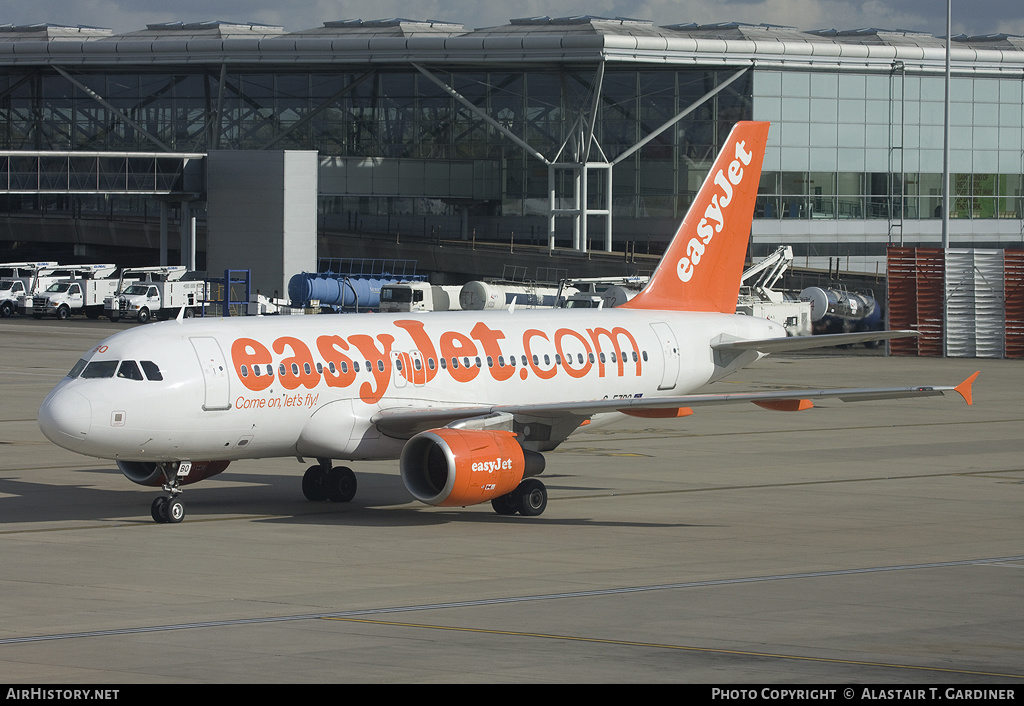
{"x": 262, "y": 215}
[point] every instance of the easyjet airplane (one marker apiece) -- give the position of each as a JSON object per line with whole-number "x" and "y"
{"x": 468, "y": 401}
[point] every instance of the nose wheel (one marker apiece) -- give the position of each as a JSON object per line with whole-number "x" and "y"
{"x": 168, "y": 509}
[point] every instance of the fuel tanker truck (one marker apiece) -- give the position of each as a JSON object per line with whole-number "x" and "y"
{"x": 839, "y": 311}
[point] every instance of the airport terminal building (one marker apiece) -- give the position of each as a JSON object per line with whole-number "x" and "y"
{"x": 580, "y": 132}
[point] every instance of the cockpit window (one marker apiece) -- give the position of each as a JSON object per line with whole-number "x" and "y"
{"x": 100, "y": 369}
{"x": 152, "y": 370}
{"x": 79, "y": 367}
{"x": 129, "y": 370}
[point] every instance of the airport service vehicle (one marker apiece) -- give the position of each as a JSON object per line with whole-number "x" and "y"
{"x": 82, "y": 293}
{"x": 160, "y": 292}
{"x": 490, "y": 296}
{"x": 18, "y": 281}
{"x": 11, "y": 291}
{"x": 418, "y": 296}
{"x": 467, "y": 402}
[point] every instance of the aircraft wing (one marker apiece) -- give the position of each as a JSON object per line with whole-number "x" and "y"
{"x": 405, "y": 422}
{"x": 800, "y": 343}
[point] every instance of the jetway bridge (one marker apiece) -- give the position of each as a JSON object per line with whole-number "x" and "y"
{"x": 172, "y": 178}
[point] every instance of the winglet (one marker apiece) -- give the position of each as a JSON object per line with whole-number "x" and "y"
{"x": 964, "y": 388}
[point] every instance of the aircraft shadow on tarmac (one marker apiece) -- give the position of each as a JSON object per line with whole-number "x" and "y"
{"x": 382, "y": 501}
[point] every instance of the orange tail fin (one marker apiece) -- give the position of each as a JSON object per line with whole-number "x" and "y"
{"x": 702, "y": 267}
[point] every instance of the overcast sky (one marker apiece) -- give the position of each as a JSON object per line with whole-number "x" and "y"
{"x": 973, "y": 17}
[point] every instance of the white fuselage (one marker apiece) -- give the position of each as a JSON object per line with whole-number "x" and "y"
{"x": 300, "y": 386}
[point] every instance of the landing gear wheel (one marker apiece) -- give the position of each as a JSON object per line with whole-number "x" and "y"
{"x": 159, "y": 509}
{"x": 314, "y": 484}
{"x": 341, "y": 484}
{"x": 531, "y": 497}
{"x": 504, "y": 504}
{"x": 175, "y": 511}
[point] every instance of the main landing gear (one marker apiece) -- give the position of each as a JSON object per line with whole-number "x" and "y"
{"x": 528, "y": 499}
{"x": 324, "y": 482}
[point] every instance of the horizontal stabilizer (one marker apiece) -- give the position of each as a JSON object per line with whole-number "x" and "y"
{"x": 800, "y": 343}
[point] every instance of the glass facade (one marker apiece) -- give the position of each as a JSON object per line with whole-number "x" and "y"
{"x": 854, "y": 157}
{"x": 869, "y": 146}
{"x": 401, "y": 115}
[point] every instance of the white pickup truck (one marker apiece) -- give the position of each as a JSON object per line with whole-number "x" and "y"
{"x": 162, "y": 293}
{"x": 18, "y": 281}
{"x": 82, "y": 293}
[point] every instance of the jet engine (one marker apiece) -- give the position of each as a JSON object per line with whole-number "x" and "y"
{"x": 151, "y": 474}
{"x": 452, "y": 467}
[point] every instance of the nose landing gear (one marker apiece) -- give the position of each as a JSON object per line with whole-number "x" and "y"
{"x": 168, "y": 508}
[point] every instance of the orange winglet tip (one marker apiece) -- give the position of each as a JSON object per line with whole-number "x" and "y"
{"x": 785, "y": 405}
{"x": 669, "y": 413}
{"x": 964, "y": 388}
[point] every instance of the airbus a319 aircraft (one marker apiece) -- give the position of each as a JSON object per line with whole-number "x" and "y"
{"x": 468, "y": 401}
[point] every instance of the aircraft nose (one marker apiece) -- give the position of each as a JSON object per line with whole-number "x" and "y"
{"x": 65, "y": 417}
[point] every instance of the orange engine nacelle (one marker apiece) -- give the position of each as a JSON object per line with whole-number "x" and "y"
{"x": 459, "y": 467}
{"x": 148, "y": 473}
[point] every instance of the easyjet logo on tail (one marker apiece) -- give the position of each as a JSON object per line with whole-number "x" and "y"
{"x": 703, "y": 264}
{"x": 714, "y": 213}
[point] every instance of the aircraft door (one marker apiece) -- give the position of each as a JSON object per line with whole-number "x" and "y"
{"x": 400, "y": 368}
{"x": 417, "y": 373}
{"x": 669, "y": 355}
{"x": 215, "y": 373}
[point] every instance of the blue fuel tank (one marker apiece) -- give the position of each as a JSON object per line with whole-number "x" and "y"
{"x": 335, "y": 290}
